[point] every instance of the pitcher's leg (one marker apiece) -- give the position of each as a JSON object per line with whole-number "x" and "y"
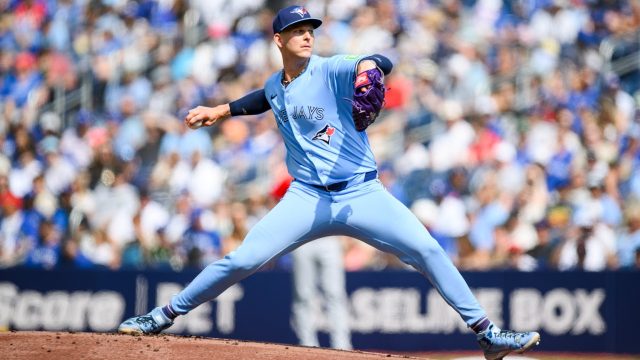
{"x": 281, "y": 230}
{"x": 382, "y": 221}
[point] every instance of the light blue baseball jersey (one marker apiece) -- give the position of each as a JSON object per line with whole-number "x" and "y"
{"x": 314, "y": 116}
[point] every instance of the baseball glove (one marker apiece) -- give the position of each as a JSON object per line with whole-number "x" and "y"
{"x": 368, "y": 98}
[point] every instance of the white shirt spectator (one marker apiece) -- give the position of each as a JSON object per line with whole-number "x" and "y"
{"x": 509, "y": 174}
{"x": 223, "y": 12}
{"x": 9, "y": 238}
{"x": 451, "y": 148}
{"x": 121, "y": 199}
{"x": 626, "y": 106}
{"x": 5, "y": 165}
{"x": 76, "y": 148}
{"x": 599, "y": 247}
{"x": 59, "y": 173}
{"x": 570, "y": 19}
{"x": 121, "y": 230}
{"x": 98, "y": 251}
{"x": 452, "y": 217}
{"x": 204, "y": 182}
{"x": 416, "y": 157}
{"x": 84, "y": 202}
{"x": 524, "y": 236}
{"x": 541, "y": 141}
{"x": 177, "y": 225}
{"x": 21, "y": 179}
{"x": 541, "y": 25}
{"x": 153, "y": 217}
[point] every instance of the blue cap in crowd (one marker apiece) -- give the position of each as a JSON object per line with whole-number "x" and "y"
{"x": 293, "y": 15}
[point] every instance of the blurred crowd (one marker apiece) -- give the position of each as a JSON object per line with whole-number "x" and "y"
{"x": 511, "y": 129}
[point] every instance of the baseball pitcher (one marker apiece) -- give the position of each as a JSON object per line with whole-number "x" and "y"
{"x": 323, "y": 107}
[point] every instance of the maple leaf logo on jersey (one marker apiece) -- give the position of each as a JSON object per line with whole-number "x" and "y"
{"x": 325, "y": 134}
{"x": 300, "y": 11}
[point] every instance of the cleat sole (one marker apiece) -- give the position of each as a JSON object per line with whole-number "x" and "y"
{"x": 130, "y": 332}
{"x": 535, "y": 340}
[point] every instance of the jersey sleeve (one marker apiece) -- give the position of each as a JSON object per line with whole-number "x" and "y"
{"x": 341, "y": 73}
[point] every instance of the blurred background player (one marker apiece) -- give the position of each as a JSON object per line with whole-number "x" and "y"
{"x": 319, "y": 292}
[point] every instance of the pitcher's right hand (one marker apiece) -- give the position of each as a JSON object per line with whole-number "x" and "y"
{"x": 206, "y": 116}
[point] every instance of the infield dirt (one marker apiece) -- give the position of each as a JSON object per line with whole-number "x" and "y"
{"x": 34, "y": 345}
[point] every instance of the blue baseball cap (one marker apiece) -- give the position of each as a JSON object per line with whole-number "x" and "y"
{"x": 293, "y": 15}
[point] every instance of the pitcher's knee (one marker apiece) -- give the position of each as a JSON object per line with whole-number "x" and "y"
{"x": 245, "y": 264}
{"x": 429, "y": 250}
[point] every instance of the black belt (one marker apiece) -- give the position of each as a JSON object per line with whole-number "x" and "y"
{"x": 339, "y": 186}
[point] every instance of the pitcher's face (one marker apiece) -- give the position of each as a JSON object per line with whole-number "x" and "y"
{"x": 296, "y": 40}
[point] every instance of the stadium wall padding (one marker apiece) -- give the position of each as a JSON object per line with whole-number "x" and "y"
{"x": 389, "y": 310}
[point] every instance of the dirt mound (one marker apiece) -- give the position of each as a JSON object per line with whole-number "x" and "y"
{"x": 35, "y": 345}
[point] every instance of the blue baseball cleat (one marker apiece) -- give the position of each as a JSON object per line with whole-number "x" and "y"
{"x": 151, "y": 323}
{"x": 497, "y": 343}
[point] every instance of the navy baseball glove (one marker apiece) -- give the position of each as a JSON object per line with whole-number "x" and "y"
{"x": 368, "y": 98}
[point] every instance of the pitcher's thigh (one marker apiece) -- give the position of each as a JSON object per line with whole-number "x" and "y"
{"x": 290, "y": 223}
{"x": 382, "y": 221}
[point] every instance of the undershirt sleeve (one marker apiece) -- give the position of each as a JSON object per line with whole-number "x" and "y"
{"x": 253, "y": 103}
{"x": 382, "y": 61}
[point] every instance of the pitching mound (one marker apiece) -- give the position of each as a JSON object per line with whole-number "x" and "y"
{"x": 34, "y": 345}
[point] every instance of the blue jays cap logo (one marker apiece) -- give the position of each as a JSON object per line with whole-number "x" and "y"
{"x": 300, "y": 11}
{"x": 325, "y": 134}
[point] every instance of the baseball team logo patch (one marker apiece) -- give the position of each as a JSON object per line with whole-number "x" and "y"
{"x": 325, "y": 134}
{"x": 300, "y": 11}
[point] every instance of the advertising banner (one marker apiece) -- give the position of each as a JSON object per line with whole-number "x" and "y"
{"x": 396, "y": 311}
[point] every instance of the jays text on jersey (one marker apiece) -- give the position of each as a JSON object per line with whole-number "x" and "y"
{"x": 314, "y": 116}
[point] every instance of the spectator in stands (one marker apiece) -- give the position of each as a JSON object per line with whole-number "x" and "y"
{"x": 13, "y": 247}
{"x": 591, "y": 247}
{"x": 628, "y": 242}
{"x": 46, "y": 253}
{"x": 199, "y": 246}
{"x": 493, "y": 210}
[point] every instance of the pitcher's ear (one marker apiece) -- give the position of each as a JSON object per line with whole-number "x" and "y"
{"x": 277, "y": 38}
